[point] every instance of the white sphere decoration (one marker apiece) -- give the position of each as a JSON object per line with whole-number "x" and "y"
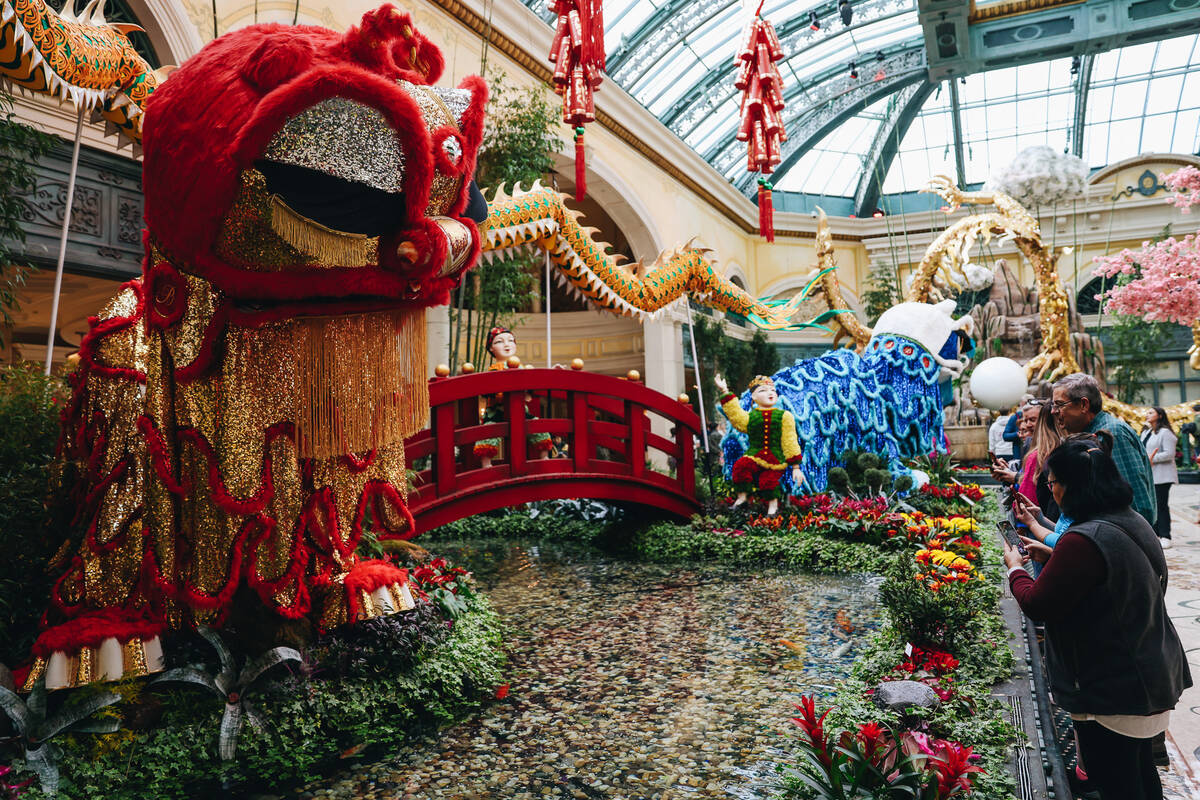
{"x": 919, "y": 478}
{"x": 998, "y": 383}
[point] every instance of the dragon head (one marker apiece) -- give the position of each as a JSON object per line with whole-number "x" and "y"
{"x": 299, "y": 170}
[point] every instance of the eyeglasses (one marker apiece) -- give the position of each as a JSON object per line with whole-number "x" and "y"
{"x": 1059, "y": 405}
{"x": 1050, "y": 481}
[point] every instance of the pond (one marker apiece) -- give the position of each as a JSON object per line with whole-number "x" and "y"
{"x": 631, "y": 680}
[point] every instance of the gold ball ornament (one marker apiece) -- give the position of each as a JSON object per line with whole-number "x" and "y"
{"x": 513, "y": 362}
{"x": 576, "y": 363}
{"x": 467, "y": 368}
{"x": 683, "y": 398}
{"x": 633, "y": 375}
{"x": 442, "y": 370}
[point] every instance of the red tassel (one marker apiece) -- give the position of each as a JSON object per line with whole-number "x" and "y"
{"x": 580, "y": 166}
{"x": 766, "y": 212}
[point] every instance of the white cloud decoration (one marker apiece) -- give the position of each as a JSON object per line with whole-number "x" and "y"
{"x": 1041, "y": 176}
{"x": 977, "y": 277}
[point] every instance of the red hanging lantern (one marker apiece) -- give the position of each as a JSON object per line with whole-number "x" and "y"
{"x": 761, "y": 115}
{"x": 578, "y": 57}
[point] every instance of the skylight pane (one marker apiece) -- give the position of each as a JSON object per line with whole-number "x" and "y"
{"x": 1184, "y": 131}
{"x": 1156, "y": 133}
{"x": 1137, "y": 59}
{"x": 1129, "y": 99}
{"x": 1124, "y": 136}
{"x": 1163, "y": 96}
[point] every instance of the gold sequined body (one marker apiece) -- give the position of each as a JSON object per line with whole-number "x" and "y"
{"x": 200, "y": 486}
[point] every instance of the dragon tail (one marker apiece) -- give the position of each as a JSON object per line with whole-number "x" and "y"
{"x": 538, "y": 217}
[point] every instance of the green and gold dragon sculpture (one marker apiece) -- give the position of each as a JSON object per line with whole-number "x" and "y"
{"x": 78, "y": 57}
{"x": 538, "y": 217}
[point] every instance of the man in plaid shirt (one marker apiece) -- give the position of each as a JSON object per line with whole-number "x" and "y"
{"x": 1078, "y": 407}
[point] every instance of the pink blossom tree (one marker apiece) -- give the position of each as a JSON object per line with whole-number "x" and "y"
{"x": 1160, "y": 282}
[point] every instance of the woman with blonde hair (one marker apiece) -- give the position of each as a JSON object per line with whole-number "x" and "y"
{"x": 1046, "y": 438}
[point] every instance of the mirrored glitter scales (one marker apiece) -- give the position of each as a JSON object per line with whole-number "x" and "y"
{"x": 372, "y": 157}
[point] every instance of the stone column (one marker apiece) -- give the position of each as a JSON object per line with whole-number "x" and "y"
{"x": 437, "y": 331}
{"x": 663, "y": 369}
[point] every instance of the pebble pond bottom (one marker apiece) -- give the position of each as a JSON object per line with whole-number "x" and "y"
{"x": 633, "y": 681}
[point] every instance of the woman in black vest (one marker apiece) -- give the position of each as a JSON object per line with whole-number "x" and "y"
{"x": 1114, "y": 658}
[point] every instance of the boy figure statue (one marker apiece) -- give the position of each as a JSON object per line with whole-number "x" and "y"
{"x": 502, "y": 344}
{"x": 773, "y": 442}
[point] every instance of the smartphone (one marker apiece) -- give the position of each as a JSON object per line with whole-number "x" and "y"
{"x": 1010, "y": 535}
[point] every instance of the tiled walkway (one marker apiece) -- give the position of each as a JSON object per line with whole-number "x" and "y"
{"x": 1183, "y": 600}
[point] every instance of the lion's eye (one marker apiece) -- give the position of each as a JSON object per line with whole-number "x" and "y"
{"x": 452, "y": 149}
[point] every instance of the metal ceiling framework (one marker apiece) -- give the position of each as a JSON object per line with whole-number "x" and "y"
{"x": 902, "y": 110}
{"x": 949, "y": 39}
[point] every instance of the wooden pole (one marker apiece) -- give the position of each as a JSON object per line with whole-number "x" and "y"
{"x": 62, "y": 242}
{"x": 696, "y": 368}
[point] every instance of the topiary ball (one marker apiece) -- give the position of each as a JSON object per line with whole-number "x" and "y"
{"x": 903, "y": 483}
{"x": 868, "y": 461}
{"x": 839, "y": 479}
{"x": 876, "y": 478}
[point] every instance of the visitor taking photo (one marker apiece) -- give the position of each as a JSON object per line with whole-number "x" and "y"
{"x": 1114, "y": 659}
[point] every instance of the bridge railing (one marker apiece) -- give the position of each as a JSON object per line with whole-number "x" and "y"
{"x": 605, "y": 423}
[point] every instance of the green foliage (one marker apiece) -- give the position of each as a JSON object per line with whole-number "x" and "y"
{"x": 519, "y": 524}
{"x": 20, "y": 147}
{"x": 707, "y": 540}
{"x": 933, "y": 619}
{"x": 938, "y": 466}
{"x": 737, "y": 360}
{"x": 882, "y": 292}
{"x": 233, "y": 685}
{"x": 519, "y": 138}
{"x": 973, "y": 716}
{"x": 1134, "y": 354}
{"x": 38, "y": 728}
{"x": 865, "y": 474}
{"x": 29, "y": 407}
{"x": 386, "y": 645}
{"x": 309, "y": 724}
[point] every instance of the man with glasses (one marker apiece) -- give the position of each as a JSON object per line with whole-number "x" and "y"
{"x": 1078, "y": 408}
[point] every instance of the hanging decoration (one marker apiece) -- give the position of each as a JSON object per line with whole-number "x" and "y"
{"x": 762, "y": 103}
{"x": 578, "y": 57}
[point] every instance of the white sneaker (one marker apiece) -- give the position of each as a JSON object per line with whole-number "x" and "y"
{"x": 1166, "y": 543}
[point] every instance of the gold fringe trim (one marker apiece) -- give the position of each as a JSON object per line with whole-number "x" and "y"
{"x": 36, "y": 671}
{"x": 82, "y": 667}
{"x": 327, "y": 246}
{"x": 350, "y": 384}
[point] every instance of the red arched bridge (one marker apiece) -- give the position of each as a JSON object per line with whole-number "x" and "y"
{"x": 604, "y": 422}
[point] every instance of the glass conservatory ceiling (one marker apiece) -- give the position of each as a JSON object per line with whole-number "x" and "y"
{"x": 888, "y": 130}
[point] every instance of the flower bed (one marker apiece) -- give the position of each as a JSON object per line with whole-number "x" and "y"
{"x": 941, "y": 594}
{"x": 362, "y": 688}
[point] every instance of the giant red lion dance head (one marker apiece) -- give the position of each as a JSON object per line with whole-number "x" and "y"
{"x": 239, "y": 412}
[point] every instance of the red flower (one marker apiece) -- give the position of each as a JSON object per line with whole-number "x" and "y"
{"x": 502, "y": 692}
{"x": 872, "y": 737}
{"x": 954, "y": 770}
{"x": 813, "y": 726}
